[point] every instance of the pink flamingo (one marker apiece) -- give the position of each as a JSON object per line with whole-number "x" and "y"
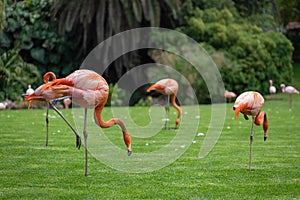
{"x": 168, "y": 87}
{"x": 272, "y": 89}
{"x": 89, "y": 90}
{"x": 251, "y": 103}
{"x": 229, "y": 95}
{"x": 290, "y": 90}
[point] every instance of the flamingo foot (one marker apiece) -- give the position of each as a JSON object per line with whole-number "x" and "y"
{"x": 78, "y": 142}
{"x": 129, "y": 153}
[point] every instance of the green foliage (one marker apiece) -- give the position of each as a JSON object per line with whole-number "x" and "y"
{"x": 91, "y": 22}
{"x": 30, "y": 30}
{"x": 2, "y": 14}
{"x": 251, "y": 56}
{"x": 116, "y": 96}
{"x": 289, "y": 11}
{"x": 15, "y": 76}
{"x": 145, "y": 102}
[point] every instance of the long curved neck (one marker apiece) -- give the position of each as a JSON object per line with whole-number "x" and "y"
{"x": 47, "y": 76}
{"x": 173, "y": 101}
{"x": 109, "y": 123}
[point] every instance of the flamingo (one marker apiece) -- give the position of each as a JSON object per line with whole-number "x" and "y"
{"x": 229, "y": 95}
{"x": 29, "y": 91}
{"x": 168, "y": 87}
{"x": 250, "y": 103}
{"x": 272, "y": 88}
{"x": 50, "y": 103}
{"x": 290, "y": 90}
{"x": 89, "y": 90}
{"x": 3, "y": 105}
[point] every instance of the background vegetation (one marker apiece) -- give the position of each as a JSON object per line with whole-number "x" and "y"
{"x": 245, "y": 38}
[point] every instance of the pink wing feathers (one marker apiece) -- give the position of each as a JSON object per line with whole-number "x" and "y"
{"x": 248, "y": 103}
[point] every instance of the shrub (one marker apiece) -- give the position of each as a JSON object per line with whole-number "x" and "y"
{"x": 15, "y": 76}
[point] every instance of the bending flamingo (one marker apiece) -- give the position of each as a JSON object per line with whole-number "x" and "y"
{"x": 272, "y": 89}
{"x": 89, "y": 90}
{"x": 250, "y": 103}
{"x": 290, "y": 90}
{"x": 168, "y": 87}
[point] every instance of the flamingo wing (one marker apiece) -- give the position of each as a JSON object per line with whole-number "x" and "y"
{"x": 248, "y": 103}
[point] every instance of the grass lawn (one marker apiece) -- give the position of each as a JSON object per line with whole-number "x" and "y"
{"x": 29, "y": 170}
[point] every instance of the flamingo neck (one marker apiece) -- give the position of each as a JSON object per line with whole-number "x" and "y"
{"x": 173, "y": 101}
{"x": 109, "y": 123}
{"x": 47, "y": 76}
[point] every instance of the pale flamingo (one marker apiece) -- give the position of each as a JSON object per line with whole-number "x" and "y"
{"x": 289, "y": 90}
{"x": 251, "y": 103}
{"x": 272, "y": 88}
{"x": 229, "y": 95}
{"x": 3, "y": 105}
{"x": 89, "y": 90}
{"x": 168, "y": 87}
{"x": 29, "y": 91}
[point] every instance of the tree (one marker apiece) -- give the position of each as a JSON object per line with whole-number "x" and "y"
{"x": 2, "y": 14}
{"x": 247, "y": 56}
{"x": 15, "y": 75}
{"x": 29, "y": 30}
{"x": 90, "y": 22}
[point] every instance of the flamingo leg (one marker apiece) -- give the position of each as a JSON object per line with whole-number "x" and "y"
{"x": 85, "y": 143}
{"x": 251, "y": 139}
{"x": 167, "y": 122}
{"x": 47, "y": 123}
{"x": 78, "y": 140}
{"x": 290, "y": 102}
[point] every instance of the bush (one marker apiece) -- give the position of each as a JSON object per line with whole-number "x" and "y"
{"x": 15, "y": 76}
{"x": 251, "y": 56}
{"x": 29, "y": 28}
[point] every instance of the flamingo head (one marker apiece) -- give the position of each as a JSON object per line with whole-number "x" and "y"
{"x": 127, "y": 141}
{"x": 282, "y": 86}
{"x": 177, "y": 122}
{"x": 33, "y": 97}
{"x": 240, "y": 107}
{"x": 155, "y": 87}
{"x": 271, "y": 82}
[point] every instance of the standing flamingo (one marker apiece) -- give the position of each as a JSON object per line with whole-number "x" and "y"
{"x": 29, "y": 91}
{"x": 251, "y": 103}
{"x": 290, "y": 90}
{"x": 50, "y": 103}
{"x": 168, "y": 87}
{"x": 89, "y": 90}
{"x": 272, "y": 88}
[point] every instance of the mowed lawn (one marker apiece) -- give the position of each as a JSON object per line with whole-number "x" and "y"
{"x": 29, "y": 170}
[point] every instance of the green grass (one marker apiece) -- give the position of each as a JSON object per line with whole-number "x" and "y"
{"x": 29, "y": 170}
